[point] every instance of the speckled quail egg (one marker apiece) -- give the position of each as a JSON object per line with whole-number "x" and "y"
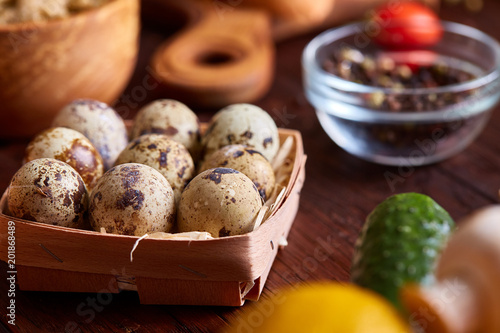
{"x": 132, "y": 199}
{"x": 242, "y": 124}
{"x": 99, "y": 123}
{"x": 247, "y": 161}
{"x": 167, "y": 156}
{"x": 221, "y": 201}
{"x": 68, "y": 146}
{"x": 48, "y": 191}
{"x": 172, "y": 118}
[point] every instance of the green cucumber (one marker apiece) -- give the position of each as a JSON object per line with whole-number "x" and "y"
{"x": 400, "y": 243}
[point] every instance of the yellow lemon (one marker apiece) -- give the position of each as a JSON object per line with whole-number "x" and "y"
{"x": 321, "y": 307}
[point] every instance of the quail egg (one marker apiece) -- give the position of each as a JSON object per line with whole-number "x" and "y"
{"x": 247, "y": 161}
{"x": 221, "y": 201}
{"x": 167, "y": 156}
{"x": 99, "y": 123}
{"x": 48, "y": 191}
{"x": 242, "y": 124}
{"x": 172, "y": 118}
{"x": 132, "y": 199}
{"x": 68, "y": 146}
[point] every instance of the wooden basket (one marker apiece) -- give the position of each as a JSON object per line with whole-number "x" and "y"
{"x": 222, "y": 271}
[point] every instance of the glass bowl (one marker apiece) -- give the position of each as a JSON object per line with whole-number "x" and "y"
{"x": 357, "y": 117}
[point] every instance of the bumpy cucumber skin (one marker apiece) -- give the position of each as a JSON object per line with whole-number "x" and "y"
{"x": 400, "y": 243}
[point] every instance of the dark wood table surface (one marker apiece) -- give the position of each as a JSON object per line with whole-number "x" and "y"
{"x": 340, "y": 190}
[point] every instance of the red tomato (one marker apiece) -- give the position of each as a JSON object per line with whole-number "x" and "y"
{"x": 407, "y": 24}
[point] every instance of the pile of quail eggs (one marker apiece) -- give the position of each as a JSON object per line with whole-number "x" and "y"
{"x": 88, "y": 172}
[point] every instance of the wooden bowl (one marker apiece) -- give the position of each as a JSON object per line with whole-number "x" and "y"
{"x": 45, "y": 65}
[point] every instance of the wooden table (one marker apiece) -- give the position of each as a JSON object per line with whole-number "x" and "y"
{"x": 340, "y": 190}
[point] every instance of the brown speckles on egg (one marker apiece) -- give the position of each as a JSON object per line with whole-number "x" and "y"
{"x": 267, "y": 142}
{"x": 215, "y": 175}
{"x": 34, "y": 195}
{"x": 87, "y": 161}
{"x": 181, "y": 172}
{"x": 123, "y": 228}
{"x": 169, "y": 157}
{"x": 134, "y": 143}
{"x": 220, "y": 201}
{"x": 76, "y": 220}
{"x": 29, "y": 217}
{"x": 77, "y": 198}
{"x": 243, "y": 124}
{"x": 170, "y": 118}
{"x": 68, "y": 146}
{"x": 171, "y": 131}
{"x": 247, "y": 134}
{"x": 99, "y": 123}
{"x": 163, "y": 159}
{"x": 44, "y": 191}
{"x": 247, "y": 161}
{"x": 259, "y": 188}
{"x": 130, "y": 175}
{"x": 171, "y": 219}
{"x": 91, "y": 104}
{"x": 223, "y": 232}
{"x": 252, "y": 151}
{"x": 238, "y": 153}
{"x": 132, "y": 199}
{"x": 66, "y": 200}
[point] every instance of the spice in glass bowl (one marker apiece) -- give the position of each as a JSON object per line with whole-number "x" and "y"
{"x": 405, "y": 106}
{"x": 381, "y": 70}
